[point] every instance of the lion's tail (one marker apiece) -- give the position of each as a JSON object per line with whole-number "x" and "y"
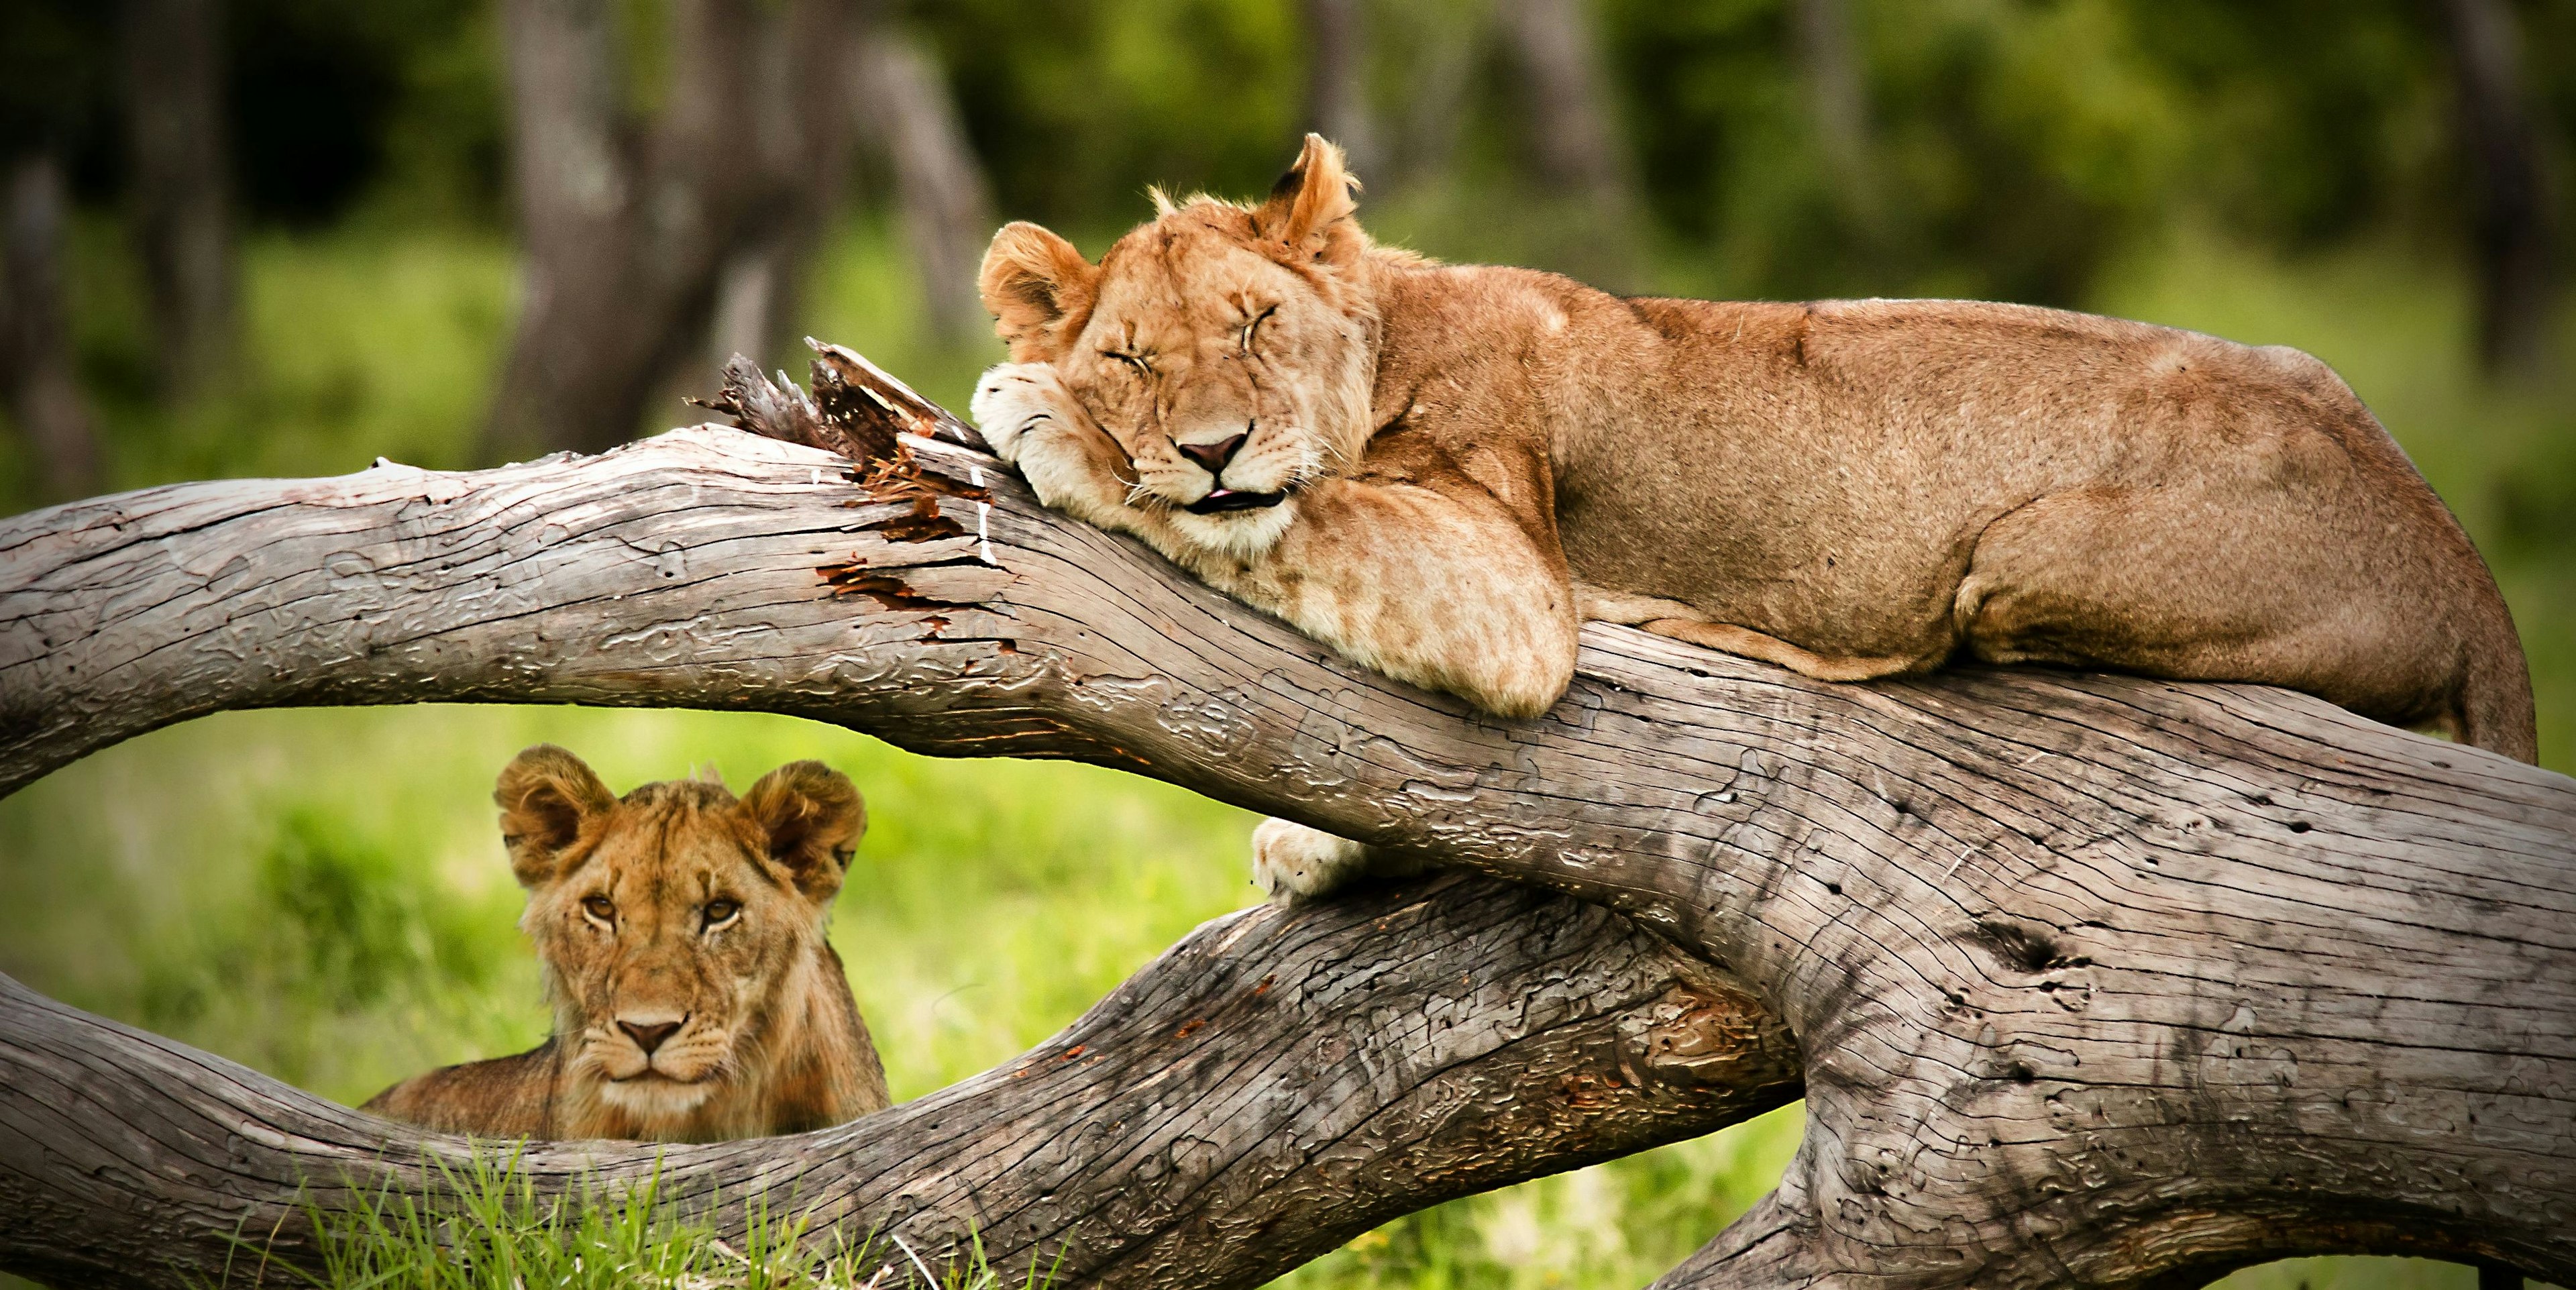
{"x": 2494, "y": 708}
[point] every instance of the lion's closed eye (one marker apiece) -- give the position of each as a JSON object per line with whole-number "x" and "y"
{"x": 1252, "y": 325}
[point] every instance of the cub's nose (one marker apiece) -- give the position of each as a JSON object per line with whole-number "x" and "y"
{"x": 1212, "y": 456}
{"x": 649, "y": 1035}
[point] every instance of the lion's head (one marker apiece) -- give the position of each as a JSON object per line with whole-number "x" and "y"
{"x": 1229, "y": 349}
{"x": 683, "y": 936}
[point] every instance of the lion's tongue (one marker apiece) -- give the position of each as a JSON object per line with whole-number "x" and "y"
{"x": 1233, "y": 499}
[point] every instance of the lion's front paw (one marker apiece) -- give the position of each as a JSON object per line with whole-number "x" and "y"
{"x": 1295, "y": 863}
{"x": 1033, "y": 422}
{"x": 1011, "y": 399}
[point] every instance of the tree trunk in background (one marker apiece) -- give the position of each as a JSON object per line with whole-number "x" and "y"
{"x": 1573, "y": 135}
{"x": 1838, "y": 104}
{"x": 174, "y": 108}
{"x": 947, "y": 206}
{"x": 43, "y": 392}
{"x": 630, "y": 232}
{"x": 2502, "y": 137}
{"x": 1337, "y": 102}
{"x": 1440, "y": 49}
{"x": 1587, "y": 206}
{"x": 805, "y": 131}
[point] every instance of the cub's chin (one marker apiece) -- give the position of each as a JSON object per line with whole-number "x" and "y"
{"x": 1243, "y": 529}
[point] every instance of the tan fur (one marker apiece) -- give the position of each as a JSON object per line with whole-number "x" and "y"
{"x": 627, "y": 902}
{"x": 1475, "y": 457}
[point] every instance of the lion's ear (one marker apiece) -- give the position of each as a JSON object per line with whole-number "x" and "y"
{"x": 813, "y": 817}
{"x": 546, "y": 796}
{"x": 1035, "y": 283}
{"x": 1311, "y": 209}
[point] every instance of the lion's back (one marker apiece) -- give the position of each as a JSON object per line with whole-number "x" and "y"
{"x": 502, "y": 1097}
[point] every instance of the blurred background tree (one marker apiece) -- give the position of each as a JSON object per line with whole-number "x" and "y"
{"x": 290, "y": 236}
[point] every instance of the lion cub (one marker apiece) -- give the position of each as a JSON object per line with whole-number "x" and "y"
{"x": 682, "y": 933}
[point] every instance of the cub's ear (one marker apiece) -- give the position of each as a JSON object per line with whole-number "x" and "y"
{"x": 546, "y": 796}
{"x": 1311, "y": 209}
{"x": 1038, "y": 288}
{"x": 814, "y": 818}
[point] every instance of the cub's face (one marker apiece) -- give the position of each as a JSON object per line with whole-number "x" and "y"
{"x": 1227, "y": 350}
{"x": 675, "y": 924}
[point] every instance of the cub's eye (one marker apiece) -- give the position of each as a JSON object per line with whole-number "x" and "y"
{"x": 599, "y": 908}
{"x": 719, "y": 912}
{"x": 1136, "y": 361}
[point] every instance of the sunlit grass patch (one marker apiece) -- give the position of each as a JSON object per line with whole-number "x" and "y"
{"x": 482, "y": 1225}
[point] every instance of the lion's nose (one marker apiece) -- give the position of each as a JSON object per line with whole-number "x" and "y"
{"x": 1212, "y": 456}
{"x": 650, "y": 1034}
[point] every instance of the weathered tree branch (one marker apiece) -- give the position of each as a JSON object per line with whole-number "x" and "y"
{"x": 1271, "y": 1087}
{"x": 2095, "y": 979}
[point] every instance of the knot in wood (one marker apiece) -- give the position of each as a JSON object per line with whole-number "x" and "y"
{"x": 1704, "y": 1034}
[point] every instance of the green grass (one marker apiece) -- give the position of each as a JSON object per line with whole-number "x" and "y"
{"x": 321, "y": 894}
{"x": 480, "y": 1225}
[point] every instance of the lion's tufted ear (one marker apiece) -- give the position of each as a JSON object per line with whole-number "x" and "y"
{"x": 546, "y": 796}
{"x": 814, "y": 818}
{"x": 1035, "y": 283}
{"x": 1312, "y": 209}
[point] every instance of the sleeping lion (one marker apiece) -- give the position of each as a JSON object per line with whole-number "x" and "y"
{"x": 1440, "y": 470}
{"x": 682, "y": 934}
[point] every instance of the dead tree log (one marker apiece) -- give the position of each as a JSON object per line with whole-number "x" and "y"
{"x": 2093, "y": 979}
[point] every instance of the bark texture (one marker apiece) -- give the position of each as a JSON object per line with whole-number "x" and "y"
{"x": 2093, "y": 979}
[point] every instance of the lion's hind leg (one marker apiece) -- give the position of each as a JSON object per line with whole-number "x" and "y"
{"x": 1682, "y": 622}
